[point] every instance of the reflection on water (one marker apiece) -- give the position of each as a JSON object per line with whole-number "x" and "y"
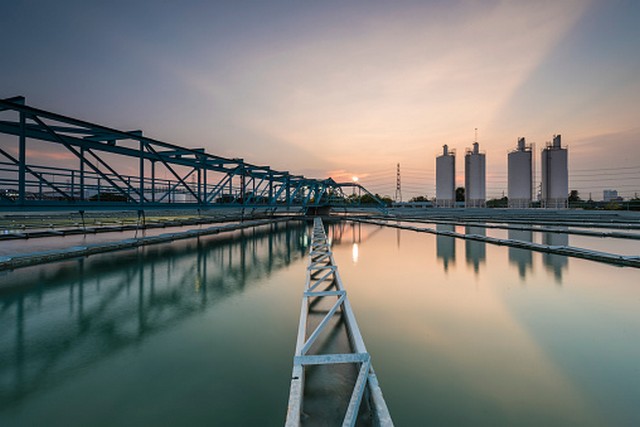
{"x": 350, "y": 232}
{"x": 446, "y": 246}
{"x": 202, "y": 332}
{"x": 343, "y": 231}
{"x": 456, "y": 345}
{"x": 556, "y": 264}
{"x": 355, "y": 253}
{"x": 59, "y": 319}
{"x": 521, "y": 258}
{"x": 328, "y": 388}
{"x": 475, "y": 251}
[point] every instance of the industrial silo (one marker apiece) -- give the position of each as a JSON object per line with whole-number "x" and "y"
{"x": 446, "y": 178}
{"x": 555, "y": 175}
{"x": 520, "y": 176}
{"x": 474, "y": 178}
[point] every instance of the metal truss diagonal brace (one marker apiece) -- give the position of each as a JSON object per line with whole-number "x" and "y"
{"x": 80, "y": 156}
{"x": 248, "y": 184}
{"x": 35, "y": 174}
{"x": 322, "y": 324}
{"x": 173, "y": 172}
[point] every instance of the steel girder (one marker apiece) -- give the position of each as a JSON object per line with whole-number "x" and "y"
{"x": 100, "y": 182}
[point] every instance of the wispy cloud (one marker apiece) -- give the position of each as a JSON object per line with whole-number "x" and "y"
{"x": 390, "y": 87}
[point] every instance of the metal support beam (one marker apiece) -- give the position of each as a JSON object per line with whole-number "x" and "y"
{"x": 200, "y": 200}
{"x": 82, "y": 182}
{"x": 141, "y": 174}
{"x": 77, "y": 154}
{"x": 174, "y": 173}
{"x": 256, "y": 185}
{"x": 22, "y": 162}
{"x": 40, "y": 177}
{"x": 153, "y": 181}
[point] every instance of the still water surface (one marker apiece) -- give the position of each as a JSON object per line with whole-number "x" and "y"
{"x": 202, "y": 332}
{"x": 199, "y": 332}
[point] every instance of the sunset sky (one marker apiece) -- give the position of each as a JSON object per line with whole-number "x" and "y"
{"x": 346, "y": 88}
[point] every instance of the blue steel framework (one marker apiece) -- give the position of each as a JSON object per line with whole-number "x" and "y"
{"x": 197, "y": 179}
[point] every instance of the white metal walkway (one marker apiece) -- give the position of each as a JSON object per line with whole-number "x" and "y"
{"x": 323, "y": 281}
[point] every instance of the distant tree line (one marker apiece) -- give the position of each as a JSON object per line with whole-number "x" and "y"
{"x": 575, "y": 201}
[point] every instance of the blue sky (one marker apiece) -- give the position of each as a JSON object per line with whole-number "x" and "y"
{"x": 344, "y": 88}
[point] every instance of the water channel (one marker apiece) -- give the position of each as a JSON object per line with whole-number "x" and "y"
{"x": 202, "y": 331}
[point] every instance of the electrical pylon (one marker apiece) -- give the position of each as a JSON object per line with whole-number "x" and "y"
{"x": 398, "y": 186}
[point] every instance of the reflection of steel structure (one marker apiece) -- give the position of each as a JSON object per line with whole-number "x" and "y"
{"x": 101, "y": 310}
{"x": 521, "y": 258}
{"x": 446, "y": 246}
{"x": 554, "y": 263}
{"x": 475, "y": 251}
{"x": 570, "y": 251}
{"x": 196, "y": 179}
{"x": 344, "y": 233}
{"x": 324, "y": 283}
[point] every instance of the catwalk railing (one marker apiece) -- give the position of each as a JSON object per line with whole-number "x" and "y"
{"x": 87, "y": 166}
{"x": 323, "y": 283}
{"x": 570, "y": 251}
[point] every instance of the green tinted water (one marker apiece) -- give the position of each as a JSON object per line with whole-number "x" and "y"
{"x": 202, "y": 332}
{"x": 199, "y": 332}
{"x": 465, "y": 333}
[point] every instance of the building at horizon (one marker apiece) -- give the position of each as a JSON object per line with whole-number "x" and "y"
{"x": 555, "y": 176}
{"x": 446, "y": 178}
{"x": 475, "y": 192}
{"x": 611, "y": 196}
{"x": 520, "y": 175}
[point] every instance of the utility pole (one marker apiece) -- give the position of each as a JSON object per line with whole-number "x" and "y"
{"x": 398, "y": 186}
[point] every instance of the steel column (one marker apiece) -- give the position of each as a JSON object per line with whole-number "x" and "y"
{"x": 141, "y": 174}
{"x": 200, "y": 201}
{"x": 22, "y": 162}
{"x": 82, "y": 193}
{"x": 153, "y": 181}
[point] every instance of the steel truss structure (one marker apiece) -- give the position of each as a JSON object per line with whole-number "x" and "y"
{"x": 122, "y": 170}
{"x": 323, "y": 281}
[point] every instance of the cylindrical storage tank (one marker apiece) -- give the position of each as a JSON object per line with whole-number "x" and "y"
{"x": 555, "y": 176}
{"x": 475, "y": 178}
{"x": 446, "y": 179}
{"x": 520, "y": 176}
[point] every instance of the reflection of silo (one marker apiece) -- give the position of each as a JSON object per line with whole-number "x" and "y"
{"x": 555, "y": 175}
{"x": 475, "y": 251}
{"x": 522, "y": 258}
{"x": 519, "y": 167}
{"x": 474, "y": 178}
{"x": 555, "y": 263}
{"x": 445, "y": 245}
{"x": 446, "y": 178}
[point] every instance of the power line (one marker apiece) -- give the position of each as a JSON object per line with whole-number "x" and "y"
{"x": 606, "y": 169}
{"x": 600, "y": 179}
